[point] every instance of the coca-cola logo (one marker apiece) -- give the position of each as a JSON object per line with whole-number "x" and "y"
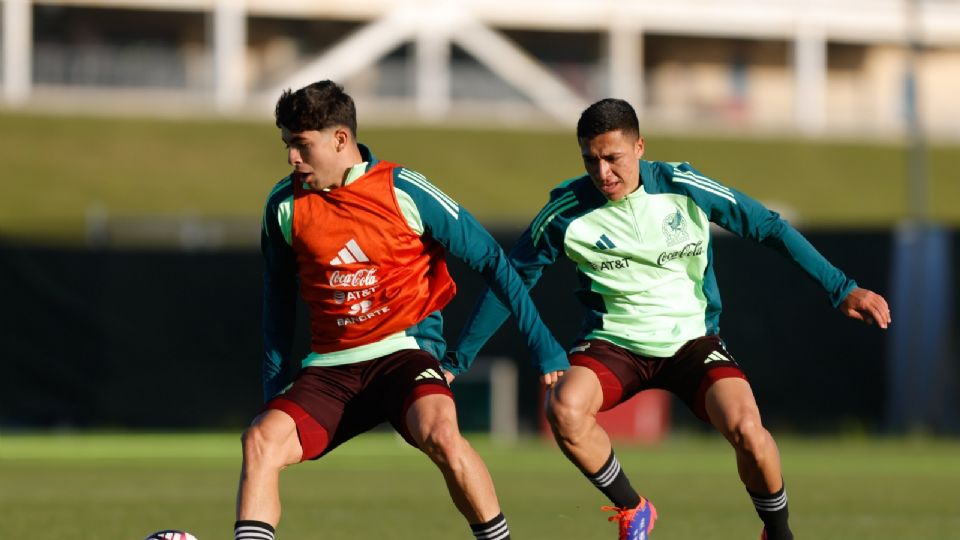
{"x": 361, "y": 278}
{"x": 692, "y": 249}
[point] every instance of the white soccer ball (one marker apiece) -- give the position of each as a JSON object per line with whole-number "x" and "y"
{"x": 171, "y": 534}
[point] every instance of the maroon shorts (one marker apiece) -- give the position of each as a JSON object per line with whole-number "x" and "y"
{"x": 333, "y": 404}
{"x": 687, "y": 374}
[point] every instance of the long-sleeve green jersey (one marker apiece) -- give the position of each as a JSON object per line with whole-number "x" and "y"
{"x": 644, "y": 262}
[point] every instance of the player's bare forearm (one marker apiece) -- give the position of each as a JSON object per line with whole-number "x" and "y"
{"x": 867, "y": 306}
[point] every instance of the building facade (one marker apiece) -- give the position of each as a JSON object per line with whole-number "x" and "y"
{"x": 846, "y": 67}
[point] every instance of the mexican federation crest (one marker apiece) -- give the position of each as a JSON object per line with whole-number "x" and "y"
{"x": 675, "y": 228}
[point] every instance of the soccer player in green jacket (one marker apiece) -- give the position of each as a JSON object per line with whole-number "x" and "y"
{"x": 639, "y": 234}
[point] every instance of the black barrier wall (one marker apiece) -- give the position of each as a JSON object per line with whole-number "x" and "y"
{"x": 129, "y": 339}
{"x": 171, "y": 339}
{"x": 811, "y": 368}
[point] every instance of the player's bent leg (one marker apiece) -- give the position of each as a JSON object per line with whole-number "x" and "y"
{"x": 572, "y": 407}
{"x": 269, "y": 445}
{"x": 432, "y": 422}
{"x": 733, "y": 410}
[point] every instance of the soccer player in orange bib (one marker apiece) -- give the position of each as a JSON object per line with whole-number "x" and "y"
{"x": 364, "y": 241}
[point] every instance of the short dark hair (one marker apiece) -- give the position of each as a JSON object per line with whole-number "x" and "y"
{"x": 317, "y": 107}
{"x": 607, "y": 115}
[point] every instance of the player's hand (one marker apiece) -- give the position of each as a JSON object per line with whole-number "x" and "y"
{"x": 550, "y": 379}
{"x": 867, "y": 306}
{"x": 449, "y": 359}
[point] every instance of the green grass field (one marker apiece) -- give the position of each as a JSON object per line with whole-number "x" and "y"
{"x": 57, "y": 169}
{"x": 121, "y": 487}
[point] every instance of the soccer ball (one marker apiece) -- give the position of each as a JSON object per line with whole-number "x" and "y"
{"x": 171, "y": 534}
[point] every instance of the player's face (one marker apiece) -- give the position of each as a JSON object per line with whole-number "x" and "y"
{"x": 612, "y": 160}
{"x": 315, "y": 156}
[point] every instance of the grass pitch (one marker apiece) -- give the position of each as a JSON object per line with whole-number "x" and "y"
{"x": 119, "y": 487}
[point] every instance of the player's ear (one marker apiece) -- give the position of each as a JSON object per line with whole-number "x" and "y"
{"x": 639, "y": 147}
{"x": 341, "y": 138}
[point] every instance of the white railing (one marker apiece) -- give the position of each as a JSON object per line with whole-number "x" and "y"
{"x": 476, "y": 26}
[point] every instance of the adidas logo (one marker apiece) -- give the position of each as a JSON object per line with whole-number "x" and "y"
{"x": 716, "y": 357}
{"x": 604, "y": 242}
{"x": 429, "y": 374}
{"x": 351, "y": 253}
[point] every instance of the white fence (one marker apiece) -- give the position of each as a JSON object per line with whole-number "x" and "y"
{"x": 231, "y": 64}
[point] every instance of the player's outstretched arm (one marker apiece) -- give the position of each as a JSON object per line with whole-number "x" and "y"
{"x": 867, "y": 306}
{"x": 430, "y": 212}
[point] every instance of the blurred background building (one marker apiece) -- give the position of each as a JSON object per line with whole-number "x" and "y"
{"x": 816, "y": 67}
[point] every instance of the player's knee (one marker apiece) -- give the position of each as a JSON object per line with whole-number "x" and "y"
{"x": 750, "y": 438}
{"x": 567, "y": 414}
{"x": 261, "y": 450}
{"x": 443, "y": 443}
{"x": 255, "y": 444}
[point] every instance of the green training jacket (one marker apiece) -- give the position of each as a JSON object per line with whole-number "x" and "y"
{"x": 645, "y": 262}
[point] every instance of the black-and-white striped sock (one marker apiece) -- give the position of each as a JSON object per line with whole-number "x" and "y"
{"x": 613, "y": 482}
{"x": 773, "y": 511}
{"x": 495, "y": 529}
{"x": 252, "y": 530}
